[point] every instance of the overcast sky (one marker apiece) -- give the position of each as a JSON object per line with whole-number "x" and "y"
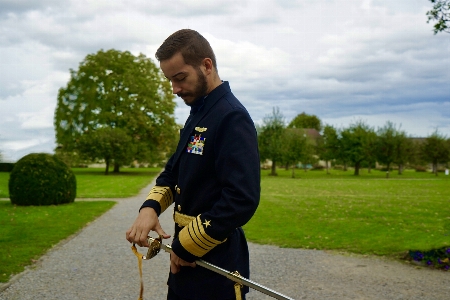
{"x": 341, "y": 60}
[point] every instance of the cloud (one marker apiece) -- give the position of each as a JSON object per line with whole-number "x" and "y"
{"x": 377, "y": 60}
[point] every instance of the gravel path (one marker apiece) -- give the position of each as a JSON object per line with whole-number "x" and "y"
{"x": 97, "y": 263}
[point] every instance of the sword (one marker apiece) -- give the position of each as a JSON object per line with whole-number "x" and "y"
{"x": 155, "y": 245}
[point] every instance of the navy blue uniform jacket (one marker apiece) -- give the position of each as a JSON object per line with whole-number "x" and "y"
{"x": 214, "y": 180}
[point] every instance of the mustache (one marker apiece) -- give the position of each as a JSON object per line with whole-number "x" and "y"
{"x": 181, "y": 95}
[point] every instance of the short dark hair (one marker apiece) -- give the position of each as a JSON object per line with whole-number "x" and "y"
{"x": 192, "y": 45}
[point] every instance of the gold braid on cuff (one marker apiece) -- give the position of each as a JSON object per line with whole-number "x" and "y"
{"x": 163, "y": 195}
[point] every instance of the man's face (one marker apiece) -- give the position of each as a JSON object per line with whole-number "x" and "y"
{"x": 188, "y": 82}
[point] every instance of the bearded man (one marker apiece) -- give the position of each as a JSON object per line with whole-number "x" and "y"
{"x": 213, "y": 178}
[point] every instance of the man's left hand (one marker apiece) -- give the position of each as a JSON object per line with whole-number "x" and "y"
{"x": 176, "y": 263}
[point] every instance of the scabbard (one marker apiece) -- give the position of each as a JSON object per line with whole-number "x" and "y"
{"x": 156, "y": 245}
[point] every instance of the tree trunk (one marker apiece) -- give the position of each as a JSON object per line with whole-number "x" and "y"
{"x": 293, "y": 171}
{"x": 357, "y": 164}
{"x": 326, "y": 165}
{"x": 388, "y": 169}
{"x": 107, "y": 167}
{"x": 345, "y": 166}
{"x": 274, "y": 169}
{"x": 369, "y": 169}
{"x": 116, "y": 168}
{"x": 400, "y": 169}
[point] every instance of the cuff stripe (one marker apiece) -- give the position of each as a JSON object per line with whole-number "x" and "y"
{"x": 161, "y": 194}
{"x": 195, "y": 240}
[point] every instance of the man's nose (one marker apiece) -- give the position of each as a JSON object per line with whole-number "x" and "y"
{"x": 176, "y": 88}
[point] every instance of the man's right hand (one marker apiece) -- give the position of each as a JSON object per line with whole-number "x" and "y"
{"x": 146, "y": 221}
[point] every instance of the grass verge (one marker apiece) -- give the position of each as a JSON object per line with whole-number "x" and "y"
{"x": 367, "y": 214}
{"x": 27, "y": 232}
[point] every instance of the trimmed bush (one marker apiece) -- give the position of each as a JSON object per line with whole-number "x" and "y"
{"x": 41, "y": 179}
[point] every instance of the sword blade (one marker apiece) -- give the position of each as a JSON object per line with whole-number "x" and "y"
{"x": 230, "y": 275}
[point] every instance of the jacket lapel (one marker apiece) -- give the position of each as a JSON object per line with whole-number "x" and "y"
{"x": 210, "y": 101}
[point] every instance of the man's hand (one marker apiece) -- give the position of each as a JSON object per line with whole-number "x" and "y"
{"x": 146, "y": 221}
{"x": 176, "y": 263}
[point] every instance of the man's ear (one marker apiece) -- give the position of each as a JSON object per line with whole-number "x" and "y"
{"x": 207, "y": 65}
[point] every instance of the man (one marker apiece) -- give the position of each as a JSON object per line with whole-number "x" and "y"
{"x": 213, "y": 178}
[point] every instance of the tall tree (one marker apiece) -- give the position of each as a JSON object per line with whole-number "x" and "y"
{"x": 440, "y": 14}
{"x": 296, "y": 147}
{"x": 114, "y": 89}
{"x": 304, "y": 120}
{"x": 435, "y": 150}
{"x": 405, "y": 151}
{"x": 328, "y": 145}
{"x": 270, "y": 138}
{"x": 354, "y": 143}
{"x": 387, "y": 145}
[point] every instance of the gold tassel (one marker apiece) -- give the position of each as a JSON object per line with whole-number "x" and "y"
{"x": 237, "y": 290}
{"x": 139, "y": 257}
{"x": 237, "y": 286}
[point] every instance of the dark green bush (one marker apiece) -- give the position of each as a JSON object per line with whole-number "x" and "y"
{"x": 41, "y": 179}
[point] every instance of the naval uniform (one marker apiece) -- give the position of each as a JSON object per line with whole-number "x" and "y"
{"x": 213, "y": 179}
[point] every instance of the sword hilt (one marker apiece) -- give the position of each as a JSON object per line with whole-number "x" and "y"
{"x": 154, "y": 246}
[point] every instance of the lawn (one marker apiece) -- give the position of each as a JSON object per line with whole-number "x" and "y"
{"x": 368, "y": 214}
{"x": 93, "y": 183}
{"x": 27, "y": 232}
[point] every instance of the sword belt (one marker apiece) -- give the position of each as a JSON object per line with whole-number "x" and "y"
{"x": 182, "y": 219}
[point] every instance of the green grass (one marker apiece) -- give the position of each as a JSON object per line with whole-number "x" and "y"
{"x": 93, "y": 183}
{"x": 367, "y": 214}
{"x": 27, "y": 232}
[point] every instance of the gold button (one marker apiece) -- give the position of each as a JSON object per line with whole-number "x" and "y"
{"x": 179, "y": 207}
{"x": 178, "y": 190}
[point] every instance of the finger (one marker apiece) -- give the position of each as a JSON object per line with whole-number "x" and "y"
{"x": 174, "y": 268}
{"x": 160, "y": 231}
{"x": 142, "y": 241}
{"x": 130, "y": 235}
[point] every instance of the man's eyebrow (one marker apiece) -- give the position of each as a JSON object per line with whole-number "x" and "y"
{"x": 179, "y": 73}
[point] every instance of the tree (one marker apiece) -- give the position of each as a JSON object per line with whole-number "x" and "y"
{"x": 354, "y": 143}
{"x": 114, "y": 89}
{"x": 270, "y": 138}
{"x": 435, "y": 150}
{"x": 405, "y": 151}
{"x": 328, "y": 145}
{"x": 441, "y": 14}
{"x": 112, "y": 145}
{"x": 306, "y": 121}
{"x": 295, "y": 146}
{"x": 387, "y": 145}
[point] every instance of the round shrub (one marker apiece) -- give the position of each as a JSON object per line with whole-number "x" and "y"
{"x": 41, "y": 179}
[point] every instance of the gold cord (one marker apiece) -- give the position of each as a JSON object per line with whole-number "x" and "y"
{"x": 139, "y": 257}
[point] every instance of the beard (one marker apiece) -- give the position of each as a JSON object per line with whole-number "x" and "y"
{"x": 200, "y": 90}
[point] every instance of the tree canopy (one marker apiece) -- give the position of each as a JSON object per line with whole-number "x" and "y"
{"x": 304, "y": 120}
{"x": 441, "y": 15}
{"x": 117, "y": 90}
{"x": 270, "y": 138}
{"x": 355, "y": 143}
